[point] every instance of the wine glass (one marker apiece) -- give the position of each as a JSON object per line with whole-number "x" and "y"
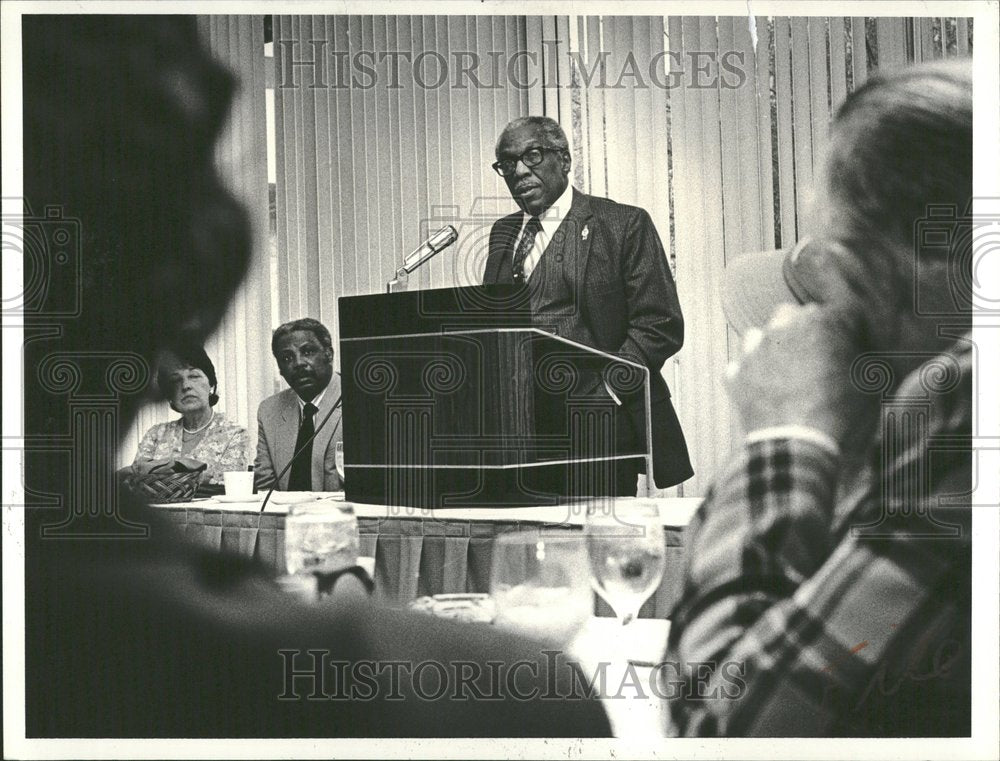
{"x": 625, "y": 546}
{"x": 339, "y": 459}
{"x": 539, "y": 584}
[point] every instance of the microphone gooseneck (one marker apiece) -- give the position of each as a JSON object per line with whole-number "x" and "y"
{"x": 434, "y": 245}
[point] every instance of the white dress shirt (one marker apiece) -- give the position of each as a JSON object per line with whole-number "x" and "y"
{"x": 550, "y": 220}
{"x": 315, "y": 402}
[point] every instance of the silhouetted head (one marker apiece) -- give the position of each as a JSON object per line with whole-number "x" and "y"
{"x": 121, "y": 114}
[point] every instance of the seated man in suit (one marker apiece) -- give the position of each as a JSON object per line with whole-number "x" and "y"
{"x": 303, "y": 350}
{"x": 598, "y": 275}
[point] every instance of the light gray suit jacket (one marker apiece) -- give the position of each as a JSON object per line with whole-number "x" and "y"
{"x": 277, "y": 429}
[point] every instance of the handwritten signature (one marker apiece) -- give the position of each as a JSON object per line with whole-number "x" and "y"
{"x": 915, "y": 668}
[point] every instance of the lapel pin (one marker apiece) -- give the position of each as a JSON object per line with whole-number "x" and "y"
{"x": 585, "y": 233}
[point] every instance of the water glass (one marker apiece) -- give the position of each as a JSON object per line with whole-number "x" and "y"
{"x": 320, "y": 538}
{"x": 540, "y": 585}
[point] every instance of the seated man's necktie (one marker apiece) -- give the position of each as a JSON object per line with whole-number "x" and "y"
{"x": 300, "y": 478}
{"x": 523, "y": 247}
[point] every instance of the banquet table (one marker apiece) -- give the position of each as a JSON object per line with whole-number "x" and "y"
{"x": 418, "y": 551}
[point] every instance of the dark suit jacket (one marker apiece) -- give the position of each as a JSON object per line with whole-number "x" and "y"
{"x": 278, "y": 428}
{"x": 604, "y": 281}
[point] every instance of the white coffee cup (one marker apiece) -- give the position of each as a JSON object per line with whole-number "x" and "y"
{"x": 239, "y": 483}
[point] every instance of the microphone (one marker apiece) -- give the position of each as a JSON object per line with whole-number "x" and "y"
{"x": 435, "y": 244}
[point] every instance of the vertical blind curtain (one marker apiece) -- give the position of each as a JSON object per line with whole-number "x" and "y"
{"x": 366, "y": 172}
{"x": 240, "y": 347}
{"x": 719, "y": 164}
{"x": 723, "y": 170}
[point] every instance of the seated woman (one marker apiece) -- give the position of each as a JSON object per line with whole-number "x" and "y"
{"x": 186, "y": 376}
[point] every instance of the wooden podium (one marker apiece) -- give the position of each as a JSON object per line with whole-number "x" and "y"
{"x": 453, "y": 399}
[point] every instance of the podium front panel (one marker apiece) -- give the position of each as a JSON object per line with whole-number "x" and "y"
{"x": 465, "y": 416}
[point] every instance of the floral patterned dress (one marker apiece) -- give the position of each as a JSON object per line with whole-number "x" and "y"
{"x": 224, "y": 446}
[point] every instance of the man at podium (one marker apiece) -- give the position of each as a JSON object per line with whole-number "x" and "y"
{"x": 598, "y": 275}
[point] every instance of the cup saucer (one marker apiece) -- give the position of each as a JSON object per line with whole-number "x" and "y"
{"x": 293, "y": 497}
{"x": 230, "y": 498}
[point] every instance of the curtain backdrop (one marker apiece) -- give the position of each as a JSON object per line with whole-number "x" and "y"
{"x": 367, "y": 171}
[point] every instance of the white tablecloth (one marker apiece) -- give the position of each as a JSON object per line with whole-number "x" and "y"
{"x": 417, "y": 552}
{"x": 629, "y": 697}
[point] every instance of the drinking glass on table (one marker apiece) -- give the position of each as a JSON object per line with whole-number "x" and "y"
{"x": 540, "y": 586}
{"x": 625, "y": 547}
{"x": 320, "y": 538}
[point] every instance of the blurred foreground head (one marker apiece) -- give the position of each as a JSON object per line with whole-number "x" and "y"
{"x": 898, "y": 163}
{"x": 898, "y": 144}
{"x": 120, "y": 118}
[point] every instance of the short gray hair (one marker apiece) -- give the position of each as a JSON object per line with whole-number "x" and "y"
{"x": 900, "y": 142}
{"x": 552, "y": 133}
{"x": 899, "y": 145}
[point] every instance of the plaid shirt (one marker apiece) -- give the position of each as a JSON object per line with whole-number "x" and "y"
{"x": 823, "y": 613}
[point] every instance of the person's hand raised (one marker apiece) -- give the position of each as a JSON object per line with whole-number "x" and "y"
{"x": 797, "y": 371}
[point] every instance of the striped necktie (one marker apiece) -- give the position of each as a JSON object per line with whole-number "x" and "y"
{"x": 523, "y": 247}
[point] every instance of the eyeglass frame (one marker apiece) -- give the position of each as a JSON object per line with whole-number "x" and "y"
{"x": 497, "y": 165}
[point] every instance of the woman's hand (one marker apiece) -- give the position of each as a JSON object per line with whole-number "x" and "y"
{"x": 148, "y": 466}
